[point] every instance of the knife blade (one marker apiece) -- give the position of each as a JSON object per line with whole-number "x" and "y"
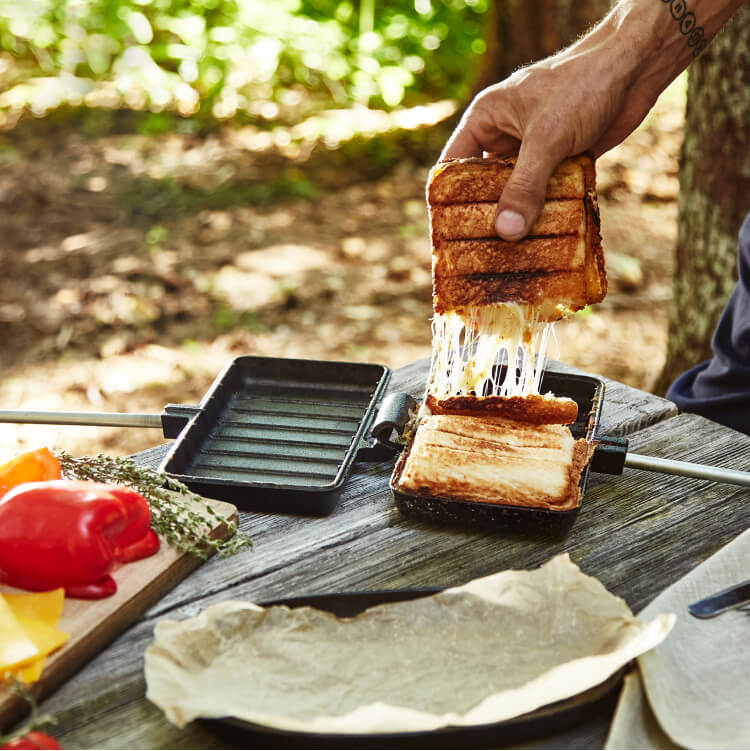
{"x": 720, "y": 602}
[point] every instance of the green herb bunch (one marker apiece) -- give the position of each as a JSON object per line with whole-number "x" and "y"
{"x": 183, "y": 518}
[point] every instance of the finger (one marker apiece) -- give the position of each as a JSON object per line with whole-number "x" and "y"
{"x": 499, "y": 145}
{"x": 523, "y": 197}
{"x": 504, "y": 146}
{"x": 462, "y": 144}
{"x": 479, "y": 132}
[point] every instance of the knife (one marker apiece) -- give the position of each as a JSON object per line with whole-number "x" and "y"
{"x": 733, "y": 597}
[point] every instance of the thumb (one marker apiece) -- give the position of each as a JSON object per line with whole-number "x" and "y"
{"x": 523, "y": 197}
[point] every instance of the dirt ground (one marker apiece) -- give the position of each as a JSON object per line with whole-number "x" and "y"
{"x": 109, "y": 301}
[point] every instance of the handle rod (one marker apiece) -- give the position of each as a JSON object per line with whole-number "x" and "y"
{"x": 103, "y": 419}
{"x": 687, "y": 469}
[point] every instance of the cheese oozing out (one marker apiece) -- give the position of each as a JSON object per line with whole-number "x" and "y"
{"x": 469, "y": 346}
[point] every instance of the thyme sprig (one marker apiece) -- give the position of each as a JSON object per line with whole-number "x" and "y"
{"x": 183, "y": 518}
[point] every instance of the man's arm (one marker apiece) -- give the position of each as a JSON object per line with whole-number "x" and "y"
{"x": 588, "y": 97}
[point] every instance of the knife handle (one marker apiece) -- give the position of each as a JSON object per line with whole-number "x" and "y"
{"x": 727, "y": 599}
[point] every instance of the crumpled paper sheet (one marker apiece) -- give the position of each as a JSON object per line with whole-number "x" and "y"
{"x": 697, "y": 684}
{"x": 490, "y": 650}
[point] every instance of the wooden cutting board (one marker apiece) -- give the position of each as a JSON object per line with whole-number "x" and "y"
{"x": 92, "y": 624}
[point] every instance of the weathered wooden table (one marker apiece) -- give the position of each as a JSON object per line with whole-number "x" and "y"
{"x": 637, "y": 533}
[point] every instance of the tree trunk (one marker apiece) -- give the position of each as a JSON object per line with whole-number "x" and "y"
{"x": 714, "y": 194}
{"x": 521, "y": 31}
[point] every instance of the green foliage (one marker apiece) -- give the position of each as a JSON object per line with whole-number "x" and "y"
{"x": 156, "y": 235}
{"x": 268, "y": 58}
{"x": 227, "y": 319}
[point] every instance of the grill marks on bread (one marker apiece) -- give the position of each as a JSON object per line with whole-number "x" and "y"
{"x": 471, "y": 265}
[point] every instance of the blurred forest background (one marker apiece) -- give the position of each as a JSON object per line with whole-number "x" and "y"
{"x": 185, "y": 181}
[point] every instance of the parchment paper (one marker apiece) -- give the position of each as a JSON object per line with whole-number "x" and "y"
{"x": 698, "y": 682}
{"x": 490, "y": 650}
{"x": 634, "y": 724}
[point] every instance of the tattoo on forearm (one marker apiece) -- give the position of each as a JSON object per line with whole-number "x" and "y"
{"x": 688, "y": 25}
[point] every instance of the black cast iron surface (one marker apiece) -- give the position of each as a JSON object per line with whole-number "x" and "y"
{"x": 278, "y": 434}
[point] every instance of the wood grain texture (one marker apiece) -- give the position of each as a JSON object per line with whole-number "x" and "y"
{"x": 625, "y": 409}
{"x": 92, "y": 624}
{"x": 637, "y": 533}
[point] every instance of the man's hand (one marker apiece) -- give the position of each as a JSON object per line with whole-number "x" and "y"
{"x": 588, "y": 97}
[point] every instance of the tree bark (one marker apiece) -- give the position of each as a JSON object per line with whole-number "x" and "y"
{"x": 522, "y": 31}
{"x": 714, "y": 194}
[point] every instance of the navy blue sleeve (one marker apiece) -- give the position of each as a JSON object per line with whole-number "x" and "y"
{"x": 720, "y": 387}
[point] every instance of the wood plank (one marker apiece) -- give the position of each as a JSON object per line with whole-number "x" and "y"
{"x": 637, "y": 533}
{"x": 626, "y": 409}
{"x": 92, "y": 624}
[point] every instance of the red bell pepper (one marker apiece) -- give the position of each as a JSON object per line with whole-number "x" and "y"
{"x": 71, "y": 534}
{"x": 31, "y": 466}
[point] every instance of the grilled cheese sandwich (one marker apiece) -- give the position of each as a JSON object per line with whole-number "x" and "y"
{"x": 494, "y": 300}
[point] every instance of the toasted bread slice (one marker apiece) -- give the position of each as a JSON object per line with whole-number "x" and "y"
{"x": 535, "y": 409}
{"x": 473, "y": 459}
{"x": 472, "y": 266}
{"x": 466, "y": 221}
{"x": 470, "y": 180}
{"x": 467, "y": 257}
{"x": 567, "y": 288}
{"x": 511, "y": 432}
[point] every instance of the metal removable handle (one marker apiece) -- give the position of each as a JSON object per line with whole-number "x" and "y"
{"x": 688, "y": 469}
{"x": 172, "y": 420}
{"x": 611, "y": 456}
{"x": 393, "y": 415}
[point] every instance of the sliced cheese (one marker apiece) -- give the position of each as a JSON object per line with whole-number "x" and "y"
{"x": 16, "y": 646}
{"x": 46, "y": 638}
{"x": 38, "y": 615}
{"x": 42, "y": 606}
{"x": 32, "y": 672}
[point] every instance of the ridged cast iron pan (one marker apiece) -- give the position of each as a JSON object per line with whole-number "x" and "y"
{"x": 278, "y": 434}
{"x": 546, "y": 720}
{"x": 588, "y": 393}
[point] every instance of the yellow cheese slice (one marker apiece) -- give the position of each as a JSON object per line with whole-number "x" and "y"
{"x": 45, "y": 638}
{"x": 16, "y": 646}
{"x": 42, "y": 606}
{"x": 38, "y": 614}
{"x": 30, "y": 673}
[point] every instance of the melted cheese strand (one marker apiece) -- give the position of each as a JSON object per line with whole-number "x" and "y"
{"x": 470, "y": 345}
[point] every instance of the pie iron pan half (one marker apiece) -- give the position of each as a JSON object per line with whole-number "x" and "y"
{"x": 279, "y": 434}
{"x": 588, "y": 393}
{"x": 546, "y": 720}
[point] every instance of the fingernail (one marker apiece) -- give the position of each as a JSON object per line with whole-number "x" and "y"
{"x": 509, "y": 223}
